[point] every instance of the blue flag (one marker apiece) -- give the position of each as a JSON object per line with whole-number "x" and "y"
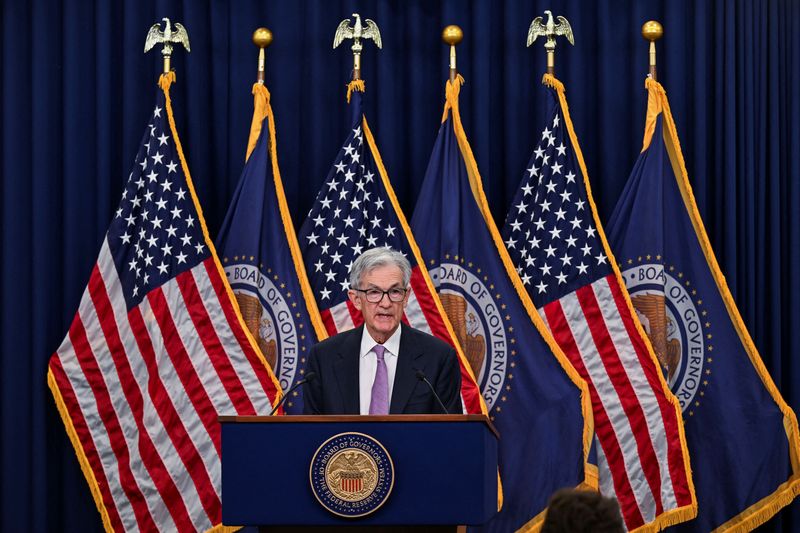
{"x": 258, "y": 248}
{"x": 741, "y": 435}
{"x": 536, "y": 399}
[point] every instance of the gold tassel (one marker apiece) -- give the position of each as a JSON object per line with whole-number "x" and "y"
{"x": 552, "y": 81}
{"x": 452, "y": 90}
{"x": 355, "y": 85}
{"x": 260, "y": 104}
{"x": 166, "y": 79}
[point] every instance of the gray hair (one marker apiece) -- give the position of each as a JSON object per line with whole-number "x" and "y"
{"x": 378, "y": 257}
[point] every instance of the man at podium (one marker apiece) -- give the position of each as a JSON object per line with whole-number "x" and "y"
{"x": 384, "y": 366}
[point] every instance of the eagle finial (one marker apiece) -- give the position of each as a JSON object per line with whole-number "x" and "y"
{"x": 167, "y": 37}
{"x": 357, "y": 32}
{"x": 550, "y": 30}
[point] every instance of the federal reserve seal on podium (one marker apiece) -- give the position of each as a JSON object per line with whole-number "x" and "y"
{"x": 351, "y": 475}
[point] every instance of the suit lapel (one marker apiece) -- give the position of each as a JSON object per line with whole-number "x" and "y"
{"x": 405, "y": 378}
{"x": 346, "y": 369}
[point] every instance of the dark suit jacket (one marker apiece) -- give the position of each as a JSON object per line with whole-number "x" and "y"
{"x": 335, "y": 362}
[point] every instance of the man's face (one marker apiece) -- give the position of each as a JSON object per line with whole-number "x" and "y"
{"x": 382, "y": 318}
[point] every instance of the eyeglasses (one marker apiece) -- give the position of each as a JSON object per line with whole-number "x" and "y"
{"x": 376, "y": 295}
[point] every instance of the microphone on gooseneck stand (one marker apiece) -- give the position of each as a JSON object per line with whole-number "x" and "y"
{"x": 311, "y": 376}
{"x": 421, "y": 376}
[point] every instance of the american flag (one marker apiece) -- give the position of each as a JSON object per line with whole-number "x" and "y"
{"x": 556, "y": 243}
{"x": 155, "y": 352}
{"x": 357, "y": 210}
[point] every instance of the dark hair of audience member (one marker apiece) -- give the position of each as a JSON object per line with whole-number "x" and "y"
{"x": 582, "y": 511}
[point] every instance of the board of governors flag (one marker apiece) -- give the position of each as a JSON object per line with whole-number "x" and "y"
{"x": 156, "y": 352}
{"x": 536, "y": 399}
{"x": 258, "y": 248}
{"x": 742, "y": 436}
{"x": 357, "y": 210}
{"x": 555, "y": 239}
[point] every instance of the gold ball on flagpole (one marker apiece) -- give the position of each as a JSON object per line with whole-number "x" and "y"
{"x": 452, "y": 35}
{"x": 262, "y": 37}
{"x": 652, "y": 30}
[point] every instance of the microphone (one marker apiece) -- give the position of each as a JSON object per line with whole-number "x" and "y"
{"x": 311, "y": 376}
{"x": 421, "y": 376}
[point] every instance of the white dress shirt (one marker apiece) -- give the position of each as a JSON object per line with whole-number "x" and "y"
{"x": 368, "y": 365}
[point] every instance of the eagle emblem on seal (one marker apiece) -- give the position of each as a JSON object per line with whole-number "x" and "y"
{"x": 260, "y": 326}
{"x": 652, "y": 313}
{"x": 467, "y": 330}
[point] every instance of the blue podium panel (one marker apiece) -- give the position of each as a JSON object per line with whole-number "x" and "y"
{"x": 444, "y": 469}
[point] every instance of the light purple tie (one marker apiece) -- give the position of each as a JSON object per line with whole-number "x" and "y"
{"x": 379, "y": 404}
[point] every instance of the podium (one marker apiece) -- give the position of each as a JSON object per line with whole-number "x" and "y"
{"x": 432, "y": 470}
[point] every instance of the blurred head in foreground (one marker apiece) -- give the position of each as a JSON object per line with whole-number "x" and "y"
{"x": 582, "y": 511}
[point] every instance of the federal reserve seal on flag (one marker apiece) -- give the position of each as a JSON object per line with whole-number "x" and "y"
{"x": 671, "y": 312}
{"x": 351, "y": 475}
{"x": 476, "y": 313}
{"x": 267, "y": 310}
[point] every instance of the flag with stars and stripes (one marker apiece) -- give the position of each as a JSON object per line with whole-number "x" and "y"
{"x": 156, "y": 352}
{"x": 742, "y": 435}
{"x": 557, "y": 244}
{"x": 534, "y": 397}
{"x": 259, "y": 250}
{"x": 357, "y": 210}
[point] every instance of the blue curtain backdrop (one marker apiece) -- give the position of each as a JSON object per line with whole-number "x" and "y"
{"x": 77, "y": 90}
